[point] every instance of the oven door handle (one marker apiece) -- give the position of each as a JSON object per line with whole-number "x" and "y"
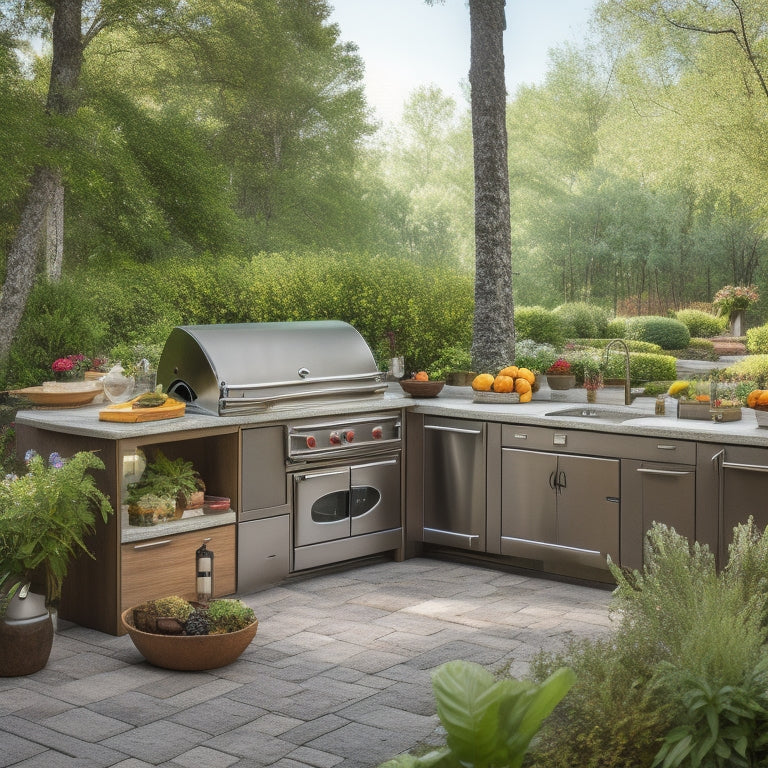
{"x": 312, "y": 475}
{"x": 385, "y": 463}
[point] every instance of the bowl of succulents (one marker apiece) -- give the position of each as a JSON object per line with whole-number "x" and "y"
{"x": 174, "y": 633}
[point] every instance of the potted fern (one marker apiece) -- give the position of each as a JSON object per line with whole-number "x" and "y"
{"x": 45, "y": 516}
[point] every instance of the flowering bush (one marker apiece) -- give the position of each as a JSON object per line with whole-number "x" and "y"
{"x": 70, "y": 368}
{"x": 45, "y": 515}
{"x": 731, "y": 298}
{"x": 561, "y": 367}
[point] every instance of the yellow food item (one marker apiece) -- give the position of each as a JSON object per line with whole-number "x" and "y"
{"x": 522, "y": 387}
{"x": 421, "y": 376}
{"x": 503, "y": 384}
{"x": 753, "y": 397}
{"x": 527, "y": 374}
{"x": 510, "y": 370}
{"x": 763, "y": 399}
{"x": 702, "y": 398}
{"x": 482, "y": 382}
{"x": 526, "y": 397}
{"x": 677, "y": 388}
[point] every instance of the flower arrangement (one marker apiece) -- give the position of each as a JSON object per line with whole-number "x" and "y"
{"x": 45, "y": 515}
{"x": 70, "y": 368}
{"x": 561, "y": 367}
{"x": 731, "y": 298}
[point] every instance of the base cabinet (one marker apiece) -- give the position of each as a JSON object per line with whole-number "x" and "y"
{"x": 264, "y": 552}
{"x": 559, "y": 509}
{"x": 154, "y": 568}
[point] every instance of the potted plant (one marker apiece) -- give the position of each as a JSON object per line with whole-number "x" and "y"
{"x": 593, "y": 378}
{"x": 166, "y": 488}
{"x": 559, "y": 375}
{"x": 732, "y": 301}
{"x": 45, "y": 515}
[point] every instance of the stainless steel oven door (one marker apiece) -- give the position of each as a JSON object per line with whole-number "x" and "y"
{"x": 374, "y": 497}
{"x": 321, "y": 505}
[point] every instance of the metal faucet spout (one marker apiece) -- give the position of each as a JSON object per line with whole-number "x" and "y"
{"x": 627, "y": 385}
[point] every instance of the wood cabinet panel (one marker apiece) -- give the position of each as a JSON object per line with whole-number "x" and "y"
{"x": 166, "y": 566}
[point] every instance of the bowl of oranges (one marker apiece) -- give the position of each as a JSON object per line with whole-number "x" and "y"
{"x": 757, "y": 399}
{"x": 510, "y": 385}
{"x": 420, "y": 385}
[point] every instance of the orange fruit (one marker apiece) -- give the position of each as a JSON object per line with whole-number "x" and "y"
{"x": 482, "y": 382}
{"x": 763, "y": 399}
{"x": 527, "y": 374}
{"x": 522, "y": 387}
{"x": 510, "y": 370}
{"x": 421, "y": 376}
{"x": 526, "y": 397}
{"x": 702, "y": 398}
{"x": 753, "y": 397}
{"x": 503, "y": 384}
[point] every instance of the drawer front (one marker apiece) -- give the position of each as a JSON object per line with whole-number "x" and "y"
{"x": 166, "y": 566}
{"x": 606, "y": 444}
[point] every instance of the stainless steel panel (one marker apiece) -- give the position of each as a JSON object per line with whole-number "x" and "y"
{"x": 264, "y": 483}
{"x": 374, "y": 495}
{"x": 316, "y": 555}
{"x": 321, "y": 505}
{"x": 454, "y": 481}
{"x": 263, "y": 552}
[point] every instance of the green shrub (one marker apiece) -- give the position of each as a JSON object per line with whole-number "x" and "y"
{"x": 582, "y": 320}
{"x": 451, "y": 360}
{"x": 751, "y": 368}
{"x": 539, "y": 324}
{"x": 536, "y": 357}
{"x": 616, "y": 328}
{"x": 667, "y": 332}
{"x": 632, "y": 344}
{"x": 757, "y": 340}
{"x": 701, "y": 324}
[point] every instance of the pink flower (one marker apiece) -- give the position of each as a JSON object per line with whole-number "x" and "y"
{"x": 63, "y": 365}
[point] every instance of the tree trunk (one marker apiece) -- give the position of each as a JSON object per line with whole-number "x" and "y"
{"x": 493, "y": 343}
{"x": 45, "y": 199}
{"x": 54, "y": 233}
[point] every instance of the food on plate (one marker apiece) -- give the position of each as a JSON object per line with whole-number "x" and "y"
{"x": 527, "y": 374}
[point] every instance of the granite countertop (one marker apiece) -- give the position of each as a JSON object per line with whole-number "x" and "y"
{"x": 454, "y": 402}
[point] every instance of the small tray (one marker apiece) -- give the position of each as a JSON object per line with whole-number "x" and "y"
{"x": 126, "y": 413}
{"x": 725, "y": 414}
{"x": 496, "y": 397}
{"x": 215, "y": 505}
{"x": 694, "y": 410}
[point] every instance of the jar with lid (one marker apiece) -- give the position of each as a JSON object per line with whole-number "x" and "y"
{"x": 661, "y": 405}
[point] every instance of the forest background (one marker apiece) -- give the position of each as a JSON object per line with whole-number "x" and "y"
{"x": 222, "y": 165}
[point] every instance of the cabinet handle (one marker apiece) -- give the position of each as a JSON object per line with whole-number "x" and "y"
{"x": 151, "y": 544}
{"x": 520, "y": 436}
{"x": 319, "y": 474}
{"x": 663, "y": 447}
{"x": 386, "y": 463}
{"x": 454, "y": 429}
{"x": 746, "y": 467}
{"x": 552, "y": 484}
{"x": 662, "y": 472}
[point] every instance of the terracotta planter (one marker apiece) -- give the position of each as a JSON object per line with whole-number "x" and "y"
{"x": 188, "y": 652}
{"x": 25, "y": 639}
{"x": 561, "y": 382}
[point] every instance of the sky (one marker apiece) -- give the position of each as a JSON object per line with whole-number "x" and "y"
{"x": 407, "y": 43}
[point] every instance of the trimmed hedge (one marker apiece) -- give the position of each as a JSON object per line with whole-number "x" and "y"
{"x": 632, "y": 344}
{"x": 701, "y": 324}
{"x": 667, "y": 332}
{"x": 757, "y": 340}
{"x": 540, "y": 325}
{"x": 751, "y": 368}
{"x": 583, "y": 320}
{"x": 643, "y": 366}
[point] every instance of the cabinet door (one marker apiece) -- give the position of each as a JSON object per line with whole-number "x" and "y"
{"x": 588, "y": 504}
{"x": 166, "y": 565}
{"x": 264, "y": 485}
{"x": 528, "y": 501}
{"x": 263, "y": 552}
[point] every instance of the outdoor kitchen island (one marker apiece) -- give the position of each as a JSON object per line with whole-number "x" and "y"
{"x": 701, "y": 477}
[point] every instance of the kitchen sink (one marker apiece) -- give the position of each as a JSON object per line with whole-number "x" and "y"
{"x": 598, "y": 413}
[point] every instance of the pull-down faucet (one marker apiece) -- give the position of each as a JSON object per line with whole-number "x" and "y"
{"x": 627, "y": 386}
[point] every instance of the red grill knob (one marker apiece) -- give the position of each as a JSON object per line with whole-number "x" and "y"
{"x": 311, "y": 442}
{"x": 334, "y": 438}
{"x": 377, "y": 433}
{"x": 349, "y": 435}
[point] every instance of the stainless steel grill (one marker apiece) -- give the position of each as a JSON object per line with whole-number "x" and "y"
{"x": 249, "y": 367}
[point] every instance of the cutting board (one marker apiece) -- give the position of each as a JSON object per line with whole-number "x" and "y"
{"x": 125, "y": 412}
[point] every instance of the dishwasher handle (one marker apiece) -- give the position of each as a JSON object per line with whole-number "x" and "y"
{"x": 456, "y": 430}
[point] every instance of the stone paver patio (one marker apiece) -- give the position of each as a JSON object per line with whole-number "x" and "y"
{"x": 338, "y": 674}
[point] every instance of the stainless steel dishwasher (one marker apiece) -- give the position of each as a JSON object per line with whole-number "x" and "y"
{"x": 454, "y": 483}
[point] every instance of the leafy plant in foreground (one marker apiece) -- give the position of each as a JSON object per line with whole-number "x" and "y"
{"x": 488, "y": 722}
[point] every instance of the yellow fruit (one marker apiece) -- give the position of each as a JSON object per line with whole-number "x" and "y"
{"x": 678, "y": 388}
{"x": 522, "y": 387}
{"x": 510, "y": 370}
{"x": 527, "y": 374}
{"x": 503, "y": 384}
{"x": 482, "y": 382}
{"x": 763, "y": 399}
{"x": 526, "y": 397}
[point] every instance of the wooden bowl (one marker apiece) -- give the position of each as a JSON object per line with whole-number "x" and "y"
{"x": 188, "y": 652}
{"x": 421, "y": 388}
